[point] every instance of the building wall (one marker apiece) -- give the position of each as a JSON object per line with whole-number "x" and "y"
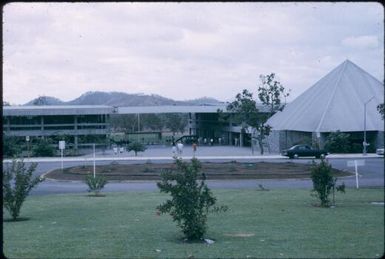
{"x": 57, "y": 125}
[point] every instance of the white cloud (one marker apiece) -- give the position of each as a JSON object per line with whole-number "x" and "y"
{"x": 182, "y": 50}
{"x": 361, "y": 42}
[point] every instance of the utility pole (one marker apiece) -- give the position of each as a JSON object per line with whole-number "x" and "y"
{"x": 364, "y": 143}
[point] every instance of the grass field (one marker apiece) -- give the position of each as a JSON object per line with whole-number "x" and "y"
{"x": 264, "y": 224}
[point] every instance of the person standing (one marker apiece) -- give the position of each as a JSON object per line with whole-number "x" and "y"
{"x": 179, "y": 147}
{"x": 173, "y": 149}
{"x": 194, "y": 147}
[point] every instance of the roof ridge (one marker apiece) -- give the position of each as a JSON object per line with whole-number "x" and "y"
{"x": 332, "y": 96}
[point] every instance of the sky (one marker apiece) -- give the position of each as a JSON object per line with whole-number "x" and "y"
{"x": 183, "y": 50}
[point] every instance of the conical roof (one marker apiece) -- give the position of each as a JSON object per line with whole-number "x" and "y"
{"x": 335, "y": 102}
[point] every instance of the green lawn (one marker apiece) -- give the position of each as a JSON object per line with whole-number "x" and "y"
{"x": 265, "y": 224}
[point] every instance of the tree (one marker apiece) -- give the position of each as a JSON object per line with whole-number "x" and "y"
{"x": 380, "y": 109}
{"x": 10, "y": 146}
{"x": 244, "y": 112}
{"x": 17, "y": 183}
{"x": 125, "y": 122}
{"x": 270, "y": 93}
{"x": 338, "y": 142}
{"x": 136, "y": 147}
{"x": 324, "y": 182}
{"x": 176, "y": 122}
{"x": 152, "y": 122}
{"x": 190, "y": 199}
{"x": 95, "y": 183}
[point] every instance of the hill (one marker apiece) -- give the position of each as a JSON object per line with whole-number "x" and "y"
{"x": 121, "y": 99}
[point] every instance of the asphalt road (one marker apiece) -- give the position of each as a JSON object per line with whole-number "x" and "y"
{"x": 371, "y": 175}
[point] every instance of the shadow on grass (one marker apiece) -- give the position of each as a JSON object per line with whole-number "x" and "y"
{"x": 96, "y": 195}
{"x": 16, "y": 220}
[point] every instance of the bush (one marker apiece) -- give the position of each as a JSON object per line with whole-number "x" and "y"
{"x": 136, "y": 147}
{"x": 338, "y": 142}
{"x": 324, "y": 182}
{"x": 95, "y": 184}
{"x": 10, "y": 147}
{"x": 17, "y": 183}
{"x": 190, "y": 201}
{"x": 43, "y": 148}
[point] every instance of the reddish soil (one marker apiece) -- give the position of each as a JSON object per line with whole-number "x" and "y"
{"x": 228, "y": 170}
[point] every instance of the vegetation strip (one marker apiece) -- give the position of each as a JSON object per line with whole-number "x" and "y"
{"x": 229, "y": 170}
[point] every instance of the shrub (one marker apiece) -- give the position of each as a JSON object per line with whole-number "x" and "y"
{"x": 10, "y": 147}
{"x": 324, "y": 182}
{"x": 136, "y": 147}
{"x": 43, "y": 148}
{"x": 17, "y": 183}
{"x": 338, "y": 142}
{"x": 191, "y": 200}
{"x": 95, "y": 184}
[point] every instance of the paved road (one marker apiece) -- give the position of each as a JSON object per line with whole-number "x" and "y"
{"x": 371, "y": 175}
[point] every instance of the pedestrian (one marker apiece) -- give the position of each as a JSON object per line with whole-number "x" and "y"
{"x": 211, "y": 142}
{"x": 205, "y": 141}
{"x": 179, "y": 147}
{"x": 194, "y": 147}
{"x": 173, "y": 149}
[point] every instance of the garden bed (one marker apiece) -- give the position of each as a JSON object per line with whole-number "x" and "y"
{"x": 213, "y": 171}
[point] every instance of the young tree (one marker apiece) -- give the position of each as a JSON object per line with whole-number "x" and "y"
{"x": 176, "y": 122}
{"x": 152, "y": 121}
{"x": 244, "y": 112}
{"x": 95, "y": 184}
{"x": 136, "y": 147}
{"x": 17, "y": 183}
{"x": 191, "y": 199}
{"x": 271, "y": 92}
{"x": 324, "y": 182}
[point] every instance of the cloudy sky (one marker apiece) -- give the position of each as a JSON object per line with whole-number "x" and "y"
{"x": 182, "y": 50}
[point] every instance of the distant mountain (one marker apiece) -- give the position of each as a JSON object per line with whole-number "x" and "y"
{"x": 121, "y": 99}
{"x": 203, "y": 101}
{"x": 45, "y": 100}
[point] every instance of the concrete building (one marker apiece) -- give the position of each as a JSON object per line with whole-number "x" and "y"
{"x": 45, "y": 121}
{"x": 344, "y": 100}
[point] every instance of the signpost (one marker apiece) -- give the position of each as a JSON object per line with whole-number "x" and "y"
{"x": 62, "y": 146}
{"x": 27, "y": 139}
{"x": 356, "y": 164}
{"x": 94, "y": 161}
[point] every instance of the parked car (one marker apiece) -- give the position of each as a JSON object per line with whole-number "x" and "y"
{"x": 380, "y": 151}
{"x": 303, "y": 151}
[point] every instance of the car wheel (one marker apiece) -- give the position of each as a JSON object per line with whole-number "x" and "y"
{"x": 295, "y": 156}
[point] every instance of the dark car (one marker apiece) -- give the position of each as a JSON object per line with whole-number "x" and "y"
{"x": 303, "y": 150}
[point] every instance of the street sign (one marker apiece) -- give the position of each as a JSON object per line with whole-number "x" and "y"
{"x": 352, "y": 163}
{"x": 356, "y": 164}
{"x": 62, "y": 144}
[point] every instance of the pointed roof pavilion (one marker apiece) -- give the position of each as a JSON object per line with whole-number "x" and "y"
{"x": 335, "y": 102}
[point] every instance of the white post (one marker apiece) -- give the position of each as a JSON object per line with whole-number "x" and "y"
{"x": 61, "y": 152}
{"x": 356, "y": 168}
{"x": 94, "y": 160}
{"x": 364, "y": 143}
